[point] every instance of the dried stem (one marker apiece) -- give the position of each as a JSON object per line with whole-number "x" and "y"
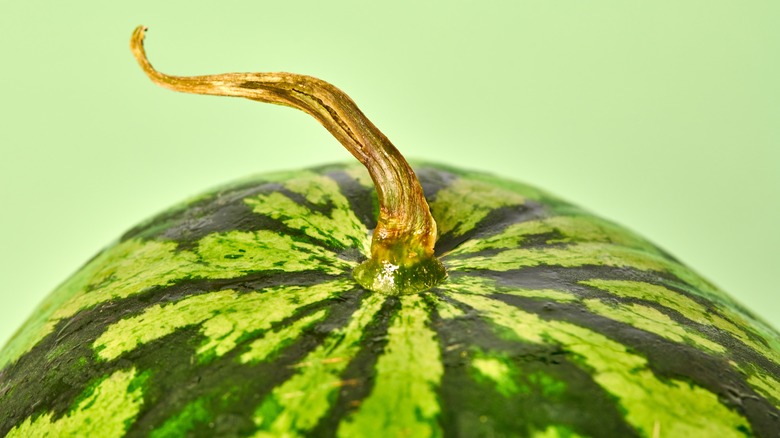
{"x": 402, "y": 257}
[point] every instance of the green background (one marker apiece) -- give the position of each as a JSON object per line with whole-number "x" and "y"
{"x": 663, "y": 116}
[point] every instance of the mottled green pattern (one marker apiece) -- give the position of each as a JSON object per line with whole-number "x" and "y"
{"x": 236, "y": 314}
{"x": 273, "y": 341}
{"x": 340, "y": 228}
{"x": 128, "y": 268}
{"x": 582, "y": 254}
{"x": 403, "y": 401}
{"x": 498, "y": 370}
{"x": 681, "y": 408}
{"x": 767, "y": 385}
{"x": 652, "y": 320}
{"x": 640, "y": 316}
{"x": 298, "y": 404}
{"x": 689, "y": 308}
{"x": 133, "y": 267}
{"x": 563, "y": 229}
{"x": 240, "y": 252}
{"x": 360, "y": 175}
{"x": 224, "y": 316}
{"x": 104, "y": 411}
{"x": 667, "y": 298}
{"x": 487, "y": 286}
{"x": 443, "y": 308}
{"x": 478, "y": 198}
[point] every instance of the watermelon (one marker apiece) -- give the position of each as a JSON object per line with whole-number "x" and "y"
{"x": 264, "y": 308}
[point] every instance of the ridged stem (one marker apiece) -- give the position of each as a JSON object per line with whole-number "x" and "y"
{"x": 402, "y": 259}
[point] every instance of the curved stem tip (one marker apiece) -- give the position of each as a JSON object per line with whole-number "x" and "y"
{"x": 402, "y": 259}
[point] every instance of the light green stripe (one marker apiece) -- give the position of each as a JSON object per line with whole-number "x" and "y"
{"x": 598, "y": 254}
{"x": 692, "y": 310}
{"x": 236, "y": 253}
{"x": 272, "y": 342}
{"x": 403, "y": 401}
{"x": 475, "y": 197}
{"x": 341, "y": 229}
{"x": 571, "y": 229}
{"x": 668, "y": 298}
{"x": 297, "y": 405}
{"x": 445, "y": 309}
{"x": 584, "y": 254}
{"x": 767, "y": 386}
{"x": 637, "y": 315}
{"x": 680, "y": 408}
{"x": 224, "y": 316}
{"x": 134, "y": 266}
{"x": 488, "y": 286}
{"x": 591, "y": 241}
{"x": 103, "y": 412}
{"x": 652, "y": 320}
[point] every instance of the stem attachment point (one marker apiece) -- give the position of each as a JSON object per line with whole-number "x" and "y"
{"x": 402, "y": 259}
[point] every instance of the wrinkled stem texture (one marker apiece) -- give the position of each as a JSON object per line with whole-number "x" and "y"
{"x": 402, "y": 259}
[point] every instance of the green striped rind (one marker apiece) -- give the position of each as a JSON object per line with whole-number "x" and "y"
{"x": 766, "y": 385}
{"x": 584, "y": 253}
{"x": 235, "y": 314}
{"x": 297, "y": 405}
{"x": 272, "y": 342}
{"x": 224, "y": 317}
{"x": 133, "y": 267}
{"x": 403, "y": 401}
{"x": 690, "y": 309}
{"x": 339, "y": 227}
{"x": 105, "y": 410}
{"x": 638, "y": 315}
{"x": 481, "y": 198}
{"x": 684, "y": 409}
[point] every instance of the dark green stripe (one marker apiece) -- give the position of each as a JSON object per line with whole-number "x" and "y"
{"x": 50, "y": 375}
{"x": 229, "y": 389}
{"x": 225, "y": 317}
{"x": 213, "y": 212}
{"x": 473, "y": 406}
{"x": 668, "y": 359}
{"x": 403, "y": 401}
{"x": 226, "y": 210}
{"x": 133, "y": 267}
{"x": 105, "y": 408}
{"x": 569, "y": 279}
{"x": 362, "y": 199}
{"x": 359, "y": 374}
{"x": 298, "y": 404}
{"x": 433, "y": 179}
{"x": 682, "y": 407}
{"x": 495, "y": 222}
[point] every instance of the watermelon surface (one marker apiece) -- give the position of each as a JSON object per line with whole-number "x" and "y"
{"x": 235, "y": 314}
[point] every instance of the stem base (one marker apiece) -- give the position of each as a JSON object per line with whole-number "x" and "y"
{"x": 393, "y": 279}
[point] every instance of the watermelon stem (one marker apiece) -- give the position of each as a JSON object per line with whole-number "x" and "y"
{"x": 402, "y": 258}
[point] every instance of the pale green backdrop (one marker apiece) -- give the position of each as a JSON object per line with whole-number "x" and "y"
{"x": 663, "y": 116}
